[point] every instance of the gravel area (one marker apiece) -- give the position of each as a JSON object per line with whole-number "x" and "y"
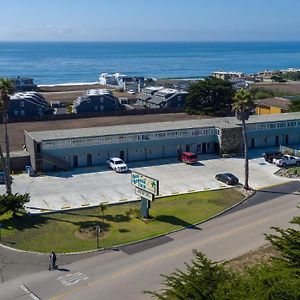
{"x": 286, "y": 88}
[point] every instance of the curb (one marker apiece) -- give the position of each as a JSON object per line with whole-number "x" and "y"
{"x": 139, "y": 241}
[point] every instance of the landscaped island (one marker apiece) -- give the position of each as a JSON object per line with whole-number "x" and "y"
{"x": 74, "y": 231}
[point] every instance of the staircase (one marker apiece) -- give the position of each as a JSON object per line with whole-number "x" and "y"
{"x": 56, "y": 161}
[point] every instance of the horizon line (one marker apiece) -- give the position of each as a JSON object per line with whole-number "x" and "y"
{"x": 150, "y": 41}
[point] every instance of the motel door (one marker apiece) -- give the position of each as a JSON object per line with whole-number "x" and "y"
{"x": 89, "y": 160}
{"x": 75, "y": 161}
{"x": 204, "y": 149}
{"x": 199, "y": 148}
{"x": 287, "y": 139}
{"x": 122, "y": 155}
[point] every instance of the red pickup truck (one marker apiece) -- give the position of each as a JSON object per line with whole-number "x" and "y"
{"x": 189, "y": 157}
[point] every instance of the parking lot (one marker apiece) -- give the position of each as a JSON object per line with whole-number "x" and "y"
{"x": 84, "y": 187}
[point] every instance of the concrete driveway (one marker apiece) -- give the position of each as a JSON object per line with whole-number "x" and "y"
{"x": 86, "y": 187}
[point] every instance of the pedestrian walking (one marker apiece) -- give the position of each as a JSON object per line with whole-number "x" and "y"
{"x": 52, "y": 261}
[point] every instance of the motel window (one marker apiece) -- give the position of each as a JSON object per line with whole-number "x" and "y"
{"x": 171, "y": 134}
{"x": 93, "y": 141}
{"x": 145, "y": 137}
{"x": 106, "y": 140}
{"x": 79, "y": 142}
{"x": 183, "y": 133}
{"x": 161, "y": 135}
{"x": 101, "y": 99}
{"x": 121, "y": 138}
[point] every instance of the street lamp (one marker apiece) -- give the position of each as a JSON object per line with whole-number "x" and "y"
{"x": 98, "y": 230}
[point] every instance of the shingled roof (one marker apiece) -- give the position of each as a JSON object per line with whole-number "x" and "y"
{"x": 276, "y": 101}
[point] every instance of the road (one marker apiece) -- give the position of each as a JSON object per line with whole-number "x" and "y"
{"x": 126, "y": 273}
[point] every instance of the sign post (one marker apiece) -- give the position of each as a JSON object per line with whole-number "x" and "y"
{"x": 98, "y": 229}
{"x": 147, "y": 188}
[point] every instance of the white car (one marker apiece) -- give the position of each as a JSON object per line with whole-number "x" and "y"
{"x": 117, "y": 164}
{"x": 287, "y": 160}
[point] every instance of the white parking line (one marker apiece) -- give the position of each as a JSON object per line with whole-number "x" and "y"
{"x": 29, "y": 293}
{"x": 59, "y": 191}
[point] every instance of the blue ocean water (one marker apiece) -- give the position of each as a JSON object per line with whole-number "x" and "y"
{"x": 68, "y": 62}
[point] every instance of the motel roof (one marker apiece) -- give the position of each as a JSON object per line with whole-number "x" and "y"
{"x": 226, "y": 122}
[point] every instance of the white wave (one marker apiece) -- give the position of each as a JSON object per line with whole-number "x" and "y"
{"x": 67, "y": 84}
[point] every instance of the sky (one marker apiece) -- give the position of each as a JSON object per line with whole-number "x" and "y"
{"x": 149, "y": 20}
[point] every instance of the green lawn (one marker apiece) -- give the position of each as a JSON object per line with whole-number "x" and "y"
{"x": 60, "y": 231}
{"x": 294, "y": 170}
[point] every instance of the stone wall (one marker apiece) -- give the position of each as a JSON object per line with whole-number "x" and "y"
{"x": 231, "y": 140}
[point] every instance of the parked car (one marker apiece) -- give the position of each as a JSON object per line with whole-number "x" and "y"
{"x": 287, "y": 160}
{"x": 227, "y": 178}
{"x": 188, "y": 157}
{"x": 117, "y": 164}
{"x": 269, "y": 156}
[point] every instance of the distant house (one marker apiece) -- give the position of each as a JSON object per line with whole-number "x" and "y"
{"x": 270, "y": 106}
{"x": 289, "y": 70}
{"x": 96, "y": 100}
{"x": 23, "y": 84}
{"x": 133, "y": 83}
{"x": 239, "y": 83}
{"x": 266, "y": 75}
{"x": 160, "y": 97}
{"x": 227, "y": 75}
{"x": 28, "y": 104}
{"x": 250, "y": 79}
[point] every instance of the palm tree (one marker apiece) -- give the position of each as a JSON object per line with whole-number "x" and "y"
{"x": 103, "y": 208}
{"x": 242, "y": 104}
{"x": 6, "y": 88}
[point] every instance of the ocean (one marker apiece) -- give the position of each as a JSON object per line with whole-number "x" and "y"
{"x": 75, "y": 62}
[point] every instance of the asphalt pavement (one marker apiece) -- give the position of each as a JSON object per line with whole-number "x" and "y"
{"x": 86, "y": 187}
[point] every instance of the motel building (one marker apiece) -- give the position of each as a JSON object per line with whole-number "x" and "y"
{"x": 72, "y": 148}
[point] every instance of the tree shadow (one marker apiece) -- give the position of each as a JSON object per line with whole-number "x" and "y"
{"x": 123, "y": 230}
{"x": 79, "y": 213}
{"x": 92, "y": 225}
{"x": 117, "y": 218}
{"x": 176, "y": 221}
{"x": 23, "y": 222}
